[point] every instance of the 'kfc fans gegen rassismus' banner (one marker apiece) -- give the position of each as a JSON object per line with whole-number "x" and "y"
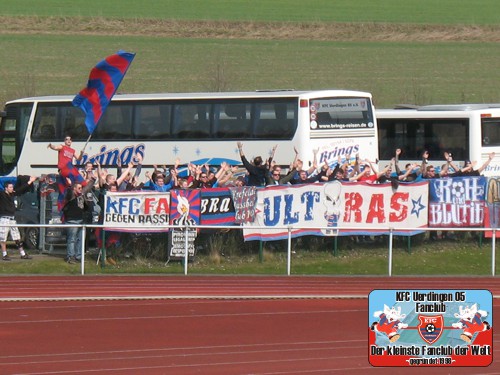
{"x": 131, "y": 211}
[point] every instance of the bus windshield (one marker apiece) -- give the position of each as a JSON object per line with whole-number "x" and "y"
{"x": 13, "y": 128}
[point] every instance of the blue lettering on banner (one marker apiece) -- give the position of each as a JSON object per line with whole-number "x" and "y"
{"x": 123, "y": 205}
{"x": 272, "y": 211}
{"x": 134, "y": 208}
{"x": 290, "y": 218}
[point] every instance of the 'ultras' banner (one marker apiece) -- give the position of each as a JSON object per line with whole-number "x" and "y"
{"x": 457, "y": 202}
{"x": 129, "y": 211}
{"x": 336, "y": 208}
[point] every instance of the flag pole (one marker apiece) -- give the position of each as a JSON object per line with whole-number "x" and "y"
{"x": 86, "y": 143}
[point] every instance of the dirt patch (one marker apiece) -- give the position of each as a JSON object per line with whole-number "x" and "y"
{"x": 249, "y": 30}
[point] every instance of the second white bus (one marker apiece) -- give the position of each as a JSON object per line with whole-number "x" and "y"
{"x": 467, "y": 131}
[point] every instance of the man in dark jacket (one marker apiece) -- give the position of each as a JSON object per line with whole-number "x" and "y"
{"x": 74, "y": 211}
{"x": 257, "y": 171}
{"x": 7, "y": 213}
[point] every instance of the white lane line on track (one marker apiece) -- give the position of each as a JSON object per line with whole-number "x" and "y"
{"x": 176, "y": 297}
{"x": 186, "y": 297}
{"x": 207, "y": 366}
{"x": 181, "y": 316}
{"x": 183, "y": 349}
{"x": 123, "y": 356}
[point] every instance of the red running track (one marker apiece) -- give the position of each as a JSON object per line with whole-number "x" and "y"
{"x": 200, "y": 325}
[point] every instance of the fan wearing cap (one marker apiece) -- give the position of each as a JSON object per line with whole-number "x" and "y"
{"x": 468, "y": 169}
{"x": 445, "y": 168}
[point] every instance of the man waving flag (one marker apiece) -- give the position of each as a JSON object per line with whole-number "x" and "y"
{"x": 103, "y": 82}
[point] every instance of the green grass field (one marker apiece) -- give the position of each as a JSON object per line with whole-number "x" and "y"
{"x": 52, "y": 51}
{"x": 449, "y": 258}
{"x": 473, "y": 12}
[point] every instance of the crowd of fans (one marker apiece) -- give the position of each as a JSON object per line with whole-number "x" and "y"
{"x": 263, "y": 172}
{"x": 85, "y": 188}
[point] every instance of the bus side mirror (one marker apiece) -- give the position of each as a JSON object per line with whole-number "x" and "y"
{"x": 3, "y": 114}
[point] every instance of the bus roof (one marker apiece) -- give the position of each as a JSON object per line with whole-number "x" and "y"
{"x": 208, "y": 95}
{"x": 445, "y": 107}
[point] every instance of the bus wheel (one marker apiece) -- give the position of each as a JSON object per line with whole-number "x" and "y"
{"x": 31, "y": 238}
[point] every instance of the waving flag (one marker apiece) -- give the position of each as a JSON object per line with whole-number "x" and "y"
{"x": 103, "y": 82}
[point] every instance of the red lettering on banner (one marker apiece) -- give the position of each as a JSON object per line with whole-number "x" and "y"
{"x": 162, "y": 206}
{"x": 376, "y": 210}
{"x": 399, "y": 208}
{"x": 156, "y": 206}
{"x": 353, "y": 202}
{"x": 147, "y": 205}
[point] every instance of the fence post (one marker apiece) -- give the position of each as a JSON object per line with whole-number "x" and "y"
{"x": 43, "y": 220}
{"x": 102, "y": 250}
{"x": 493, "y": 246}
{"x": 289, "y": 260}
{"x": 335, "y": 245}
{"x": 390, "y": 251}
{"x": 82, "y": 245}
{"x": 186, "y": 254}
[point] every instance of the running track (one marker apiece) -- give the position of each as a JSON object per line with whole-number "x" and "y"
{"x": 200, "y": 325}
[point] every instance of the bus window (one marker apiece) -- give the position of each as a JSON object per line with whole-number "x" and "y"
{"x": 116, "y": 123}
{"x": 152, "y": 121}
{"x": 13, "y": 131}
{"x": 275, "y": 121}
{"x": 414, "y": 136}
{"x": 8, "y": 154}
{"x": 490, "y": 130}
{"x": 52, "y": 123}
{"x": 44, "y": 127}
{"x": 233, "y": 120}
{"x": 73, "y": 123}
{"x": 186, "y": 123}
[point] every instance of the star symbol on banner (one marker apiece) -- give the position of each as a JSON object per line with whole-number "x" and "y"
{"x": 417, "y": 206}
{"x": 175, "y": 150}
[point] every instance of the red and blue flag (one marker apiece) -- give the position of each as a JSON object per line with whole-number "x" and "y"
{"x": 103, "y": 82}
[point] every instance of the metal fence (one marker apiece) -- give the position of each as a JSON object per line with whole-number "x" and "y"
{"x": 289, "y": 229}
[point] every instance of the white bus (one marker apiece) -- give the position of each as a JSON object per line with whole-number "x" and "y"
{"x": 467, "y": 131}
{"x": 194, "y": 127}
